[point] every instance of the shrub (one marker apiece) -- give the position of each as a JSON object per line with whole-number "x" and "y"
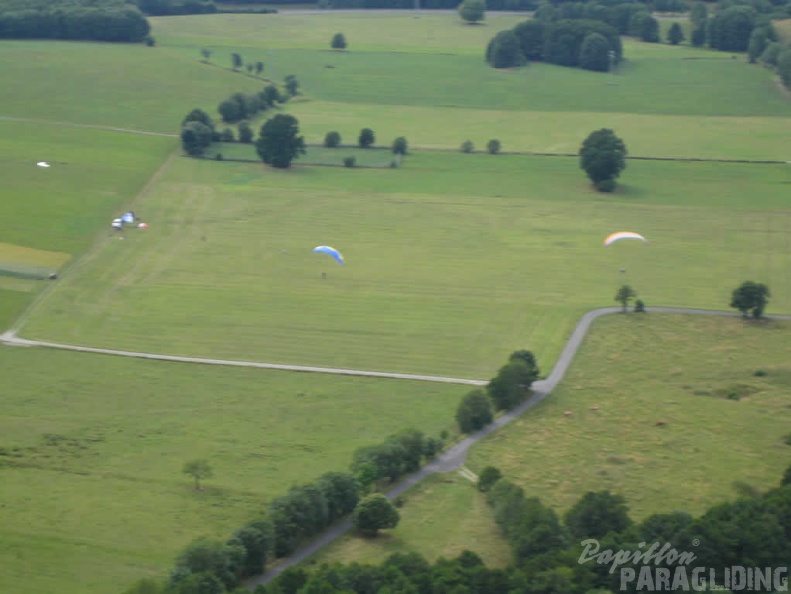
{"x": 595, "y": 53}
{"x": 505, "y": 51}
{"x": 399, "y": 146}
{"x": 338, "y": 41}
{"x": 488, "y": 477}
{"x": 218, "y": 157}
{"x": 639, "y": 306}
{"x": 245, "y": 133}
{"x": 227, "y": 135}
{"x": 150, "y": 41}
{"x": 467, "y": 146}
{"x": 332, "y": 139}
{"x": 349, "y": 161}
{"x": 493, "y": 146}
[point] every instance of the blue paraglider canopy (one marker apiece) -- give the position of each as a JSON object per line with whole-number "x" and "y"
{"x": 325, "y": 249}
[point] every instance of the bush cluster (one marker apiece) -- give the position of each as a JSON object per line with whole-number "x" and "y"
{"x": 240, "y": 107}
{"x": 400, "y": 454}
{"x": 584, "y": 43}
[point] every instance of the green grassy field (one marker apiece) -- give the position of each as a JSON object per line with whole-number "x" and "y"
{"x": 92, "y": 449}
{"x": 642, "y": 369}
{"x": 453, "y": 261}
{"x": 441, "y": 517}
{"x": 438, "y": 255}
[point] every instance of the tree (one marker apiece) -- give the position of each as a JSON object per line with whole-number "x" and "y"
{"x": 474, "y": 411}
{"x": 698, "y": 14}
{"x": 675, "y": 34}
{"x": 199, "y": 470}
{"x": 598, "y": 514}
{"x": 249, "y": 68}
{"x": 624, "y": 296}
{"x": 279, "y": 142}
{"x": 786, "y": 480}
{"x": 259, "y": 68}
{"x": 493, "y": 146}
{"x": 472, "y": 11}
{"x": 784, "y": 66}
{"x": 270, "y": 95}
{"x": 206, "y": 53}
{"x": 467, "y": 146}
{"x": 375, "y": 513}
{"x": 603, "y": 157}
{"x": 332, "y": 139}
{"x": 230, "y": 111}
{"x": 236, "y": 61}
{"x": 505, "y": 51}
{"x": 366, "y": 138}
{"x": 399, "y": 146}
{"x": 699, "y": 34}
{"x": 245, "y": 133}
{"x": 227, "y": 135}
{"x": 531, "y": 38}
{"x": 649, "y": 29}
{"x": 757, "y": 44}
{"x": 257, "y": 539}
{"x": 595, "y": 53}
{"x": 730, "y": 29}
{"x": 195, "y": 138}
{"x": 198, "y": 115}
{"x": 750, "y": 297}
{"x": 511, "y": 384}
{"x": 488, "y": 477}
{"x": 342, "y": 492}
{"x": 292, "y": 85}
{"x": 529, "y": 359}
{"x": 338, "y": 41}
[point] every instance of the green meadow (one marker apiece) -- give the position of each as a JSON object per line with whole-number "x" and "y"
{"x": 453, "y": 261}
{"x": 491, "y": 252}
{"x": 92, "y": 449}
{"x": 726, "y": 426}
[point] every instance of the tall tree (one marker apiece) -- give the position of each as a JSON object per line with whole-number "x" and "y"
{"x": 595, "y": 53}
{"x": 259, "y": 68}
{"x": 292, "y": 85}
{"x": 236, "y": 61}
{"x": 675, "y": 34}
{"x": 366, "y": 138}
{"x": 206, "y": 53}
{"x": 511, "y": 384}
{"x": 279, "y": 142}
{"x": 603, "y": 157}
{"x": 338, "y": 41}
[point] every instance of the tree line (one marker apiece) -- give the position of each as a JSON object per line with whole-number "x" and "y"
{"x": 88, "y": 20}
{"x": 547, "y": 548}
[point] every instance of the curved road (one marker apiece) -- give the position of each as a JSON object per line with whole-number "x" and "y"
{"x": 449, "y": 461}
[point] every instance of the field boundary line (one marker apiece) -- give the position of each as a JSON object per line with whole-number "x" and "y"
{"x": 98, "y": 243}
{"x": 90, "y": 126}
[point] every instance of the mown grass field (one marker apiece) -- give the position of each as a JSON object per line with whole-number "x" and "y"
{"x": 491, "y": 252}
{"x": 639, "y": 370}
{"x": 92, "y": 449}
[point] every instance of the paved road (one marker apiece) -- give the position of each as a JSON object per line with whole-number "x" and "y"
{"x": 451, "y": 460}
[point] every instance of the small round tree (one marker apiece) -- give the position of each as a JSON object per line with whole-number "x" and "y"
{"x": 279, "y": 142}
{"x": 603, "y": 157}
{"x": 493, "y": 146}
{"x": 338, "y": 41}
{"x": 366, "y": 138}
{"x": 505, "y": 51}
{"x": 374, "y": 513}
{"x": 472, "y": 11}
{"x": 467, "y": 146}
{"x": 332, "y": 139}
{"x": 400, "y": 146}
{"x": 474, "y": 412}
{"x": 488, "y": 477}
